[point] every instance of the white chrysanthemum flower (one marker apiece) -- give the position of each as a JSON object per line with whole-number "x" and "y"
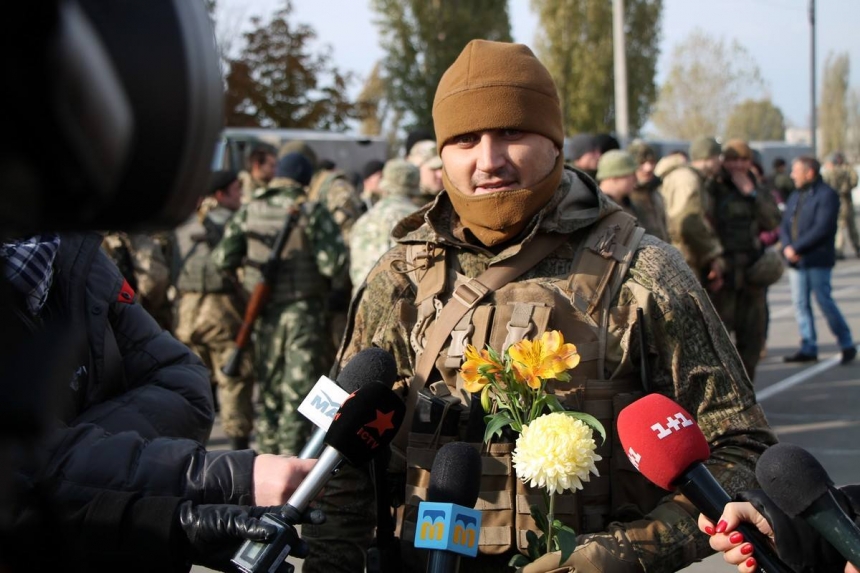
{"x": 555, "y": 451}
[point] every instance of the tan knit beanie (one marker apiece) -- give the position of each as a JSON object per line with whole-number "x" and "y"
{"x": 496, "y": 85}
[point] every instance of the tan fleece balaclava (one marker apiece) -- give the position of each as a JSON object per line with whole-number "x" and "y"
{"x": 497, "y": 85}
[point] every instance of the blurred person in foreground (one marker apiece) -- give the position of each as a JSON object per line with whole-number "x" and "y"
{"x": 371, "y": 236}
{"x": 739, "y": 211}
{"x": 808, "y": 226}
{"x": 211, "y": 306}
{"x": 690, "y": 230}
{"x": 646, "y": 195}
{"x": 499, "y": 128}
{"x": 843, "y": 178}
{"x": 292, "y": 345}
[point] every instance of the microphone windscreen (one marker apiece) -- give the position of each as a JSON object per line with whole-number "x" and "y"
{"x": 791, "y": 477}
{"x": 366, "y": 423}
{"x": 661, "y": 439}
{"x": 371, "y": 364}
{"x": 455, "y": 476}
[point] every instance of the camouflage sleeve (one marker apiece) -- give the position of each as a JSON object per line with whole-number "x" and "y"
{"x": 344, "y": 205}
{"x": 326, "y": 241}
{"x": 150, "y": 269}
{"x": 767, "y": 211}
{"x": 230, "y": 251}
{"x": 688, "y": 217}
{"x": 694, "y": 362}
{"x": 852, "y": 178}
{"x": 340, "y": 545}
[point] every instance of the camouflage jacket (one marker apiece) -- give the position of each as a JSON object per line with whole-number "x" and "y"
{"x": 322, "y": 234}
{"x": 332, "y": 189}
{"x": 691, "y": 358}
{"x": 690, "y": 231}
{"x": 371, "y": 235}
{"x": 843, "y": 178}
{"x": 650, "y": 210}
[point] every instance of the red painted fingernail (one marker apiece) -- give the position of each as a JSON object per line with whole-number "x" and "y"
{"x": 747, "y": 549}
{"x": 736, "y": 537}
{"x": 721, "y": 526}
{"x": 751, "y": 562}
{"x": 709, "y": 530}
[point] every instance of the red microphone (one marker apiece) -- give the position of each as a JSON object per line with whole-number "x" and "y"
{"x": 664, "y": 442}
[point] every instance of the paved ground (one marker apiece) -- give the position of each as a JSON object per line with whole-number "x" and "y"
{"x": 811, "y": 406}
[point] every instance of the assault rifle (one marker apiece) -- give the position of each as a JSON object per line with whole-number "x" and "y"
{"x": 260, "y": 296}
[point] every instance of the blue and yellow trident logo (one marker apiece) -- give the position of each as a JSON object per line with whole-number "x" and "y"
{"x": 448, "y": 527}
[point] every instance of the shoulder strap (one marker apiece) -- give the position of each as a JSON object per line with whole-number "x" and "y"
{"x": 465, "y": 297}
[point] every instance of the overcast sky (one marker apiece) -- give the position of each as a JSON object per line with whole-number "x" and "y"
{"x": 776, "y": 32}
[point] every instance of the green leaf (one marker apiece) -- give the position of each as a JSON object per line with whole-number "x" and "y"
{"x": 538, "y": 516}
{"x": 535, "y": 547}
{"x": 518, "y": 560}
{"x": 553, "y": 404}
{"x": 566, "y": 540}
{"x": 495, "y": 425}
{"x": 590, "y": 420}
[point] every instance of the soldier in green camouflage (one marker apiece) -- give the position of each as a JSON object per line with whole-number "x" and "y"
{"x": 499, "y": 128}
{"x": 646, "y": 196}
{"x": 425, "y": 157}
{"x": 371, "y": 235}
{"x": 843, "y": 179}
{"x": 740, "y": 211}
{"x": 261, "y": 170}
{"x": 292, "y": 347}
{"x": 211, "y": 307}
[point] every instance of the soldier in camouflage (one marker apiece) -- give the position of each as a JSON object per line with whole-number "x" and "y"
{"x": 425, "y": 157}
{"x": 690, "y": 231}
{"x": 646, "y": 197}
{"x": 739, "y": 212}
{"x": 292, "y": 350}
{"x": 211, "y": 307}
{"x": 843, "y": 179}
{"x": 142, "y": 262}
{"x": 371, "y": 235}
{"x": 261, "y": 170}
{"x": 498, "y": 123}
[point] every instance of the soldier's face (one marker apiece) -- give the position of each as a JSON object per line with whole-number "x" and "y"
{"x": 645, "y": 172}
{"x": 801, "y": 174}
{"x": 231, "y": 197}
{"x": 266, "y": 170}
{"x": 431, "y": 179}
{"x": 498, "y": 160}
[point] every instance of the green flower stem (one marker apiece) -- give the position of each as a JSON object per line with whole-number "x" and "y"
{"x": 550, "y": 519}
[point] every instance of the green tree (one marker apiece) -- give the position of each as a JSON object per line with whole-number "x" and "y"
{"x": 575, "y": 43}
{"x": 756, "y": 120}
{"x": 833, "y": 111}
{"x": 707, "y": 78}
{"x": 371, "y": 103}
{"x": 277, "y": 81}
{"x": 422, "y": 38}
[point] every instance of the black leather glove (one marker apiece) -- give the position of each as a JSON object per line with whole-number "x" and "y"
{"x": 215, "y": 532}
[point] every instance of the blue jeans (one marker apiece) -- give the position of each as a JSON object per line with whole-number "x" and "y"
{"x": 805, "y": 282}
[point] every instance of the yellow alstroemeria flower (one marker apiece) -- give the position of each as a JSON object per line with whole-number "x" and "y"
{"x": 471, "y": 370}
{"x": 546, "y": 358}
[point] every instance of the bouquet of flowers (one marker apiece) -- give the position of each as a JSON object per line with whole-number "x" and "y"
{"x": 555, "y": 447}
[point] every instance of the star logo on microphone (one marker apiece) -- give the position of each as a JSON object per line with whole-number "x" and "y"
{"x": 382, "y": 423}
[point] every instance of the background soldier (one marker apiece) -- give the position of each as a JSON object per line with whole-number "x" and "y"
{"x": 781, "y": 180}
{"x": 843, "y": 179}
{"x": 683, "y": 193}
{"x": 646, "y": 196}
{"x": 425, "y": 157}
{"x": 261, "y": 170}
{"x": 210, "y": 308}
{"x": 292, "y": 349}
{"x": 740, "y": 211}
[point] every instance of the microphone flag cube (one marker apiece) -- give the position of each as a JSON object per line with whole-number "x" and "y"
{"x": 448, "y": 527}
{"x": 323, "y": 402}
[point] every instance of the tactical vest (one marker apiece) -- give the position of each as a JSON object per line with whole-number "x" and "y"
{"x": 298, "y": 276}
{"x": 195, "y": 241}
{"x": 735, "y": 220}
{"x": 571, "y": 291}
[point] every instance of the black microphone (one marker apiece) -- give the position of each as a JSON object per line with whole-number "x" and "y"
{"x": 363, "y": 428}
{"x": 369, "y": 365}
{"x": 797, "y": 483}
{"x": 455, "y": 482}
{"x": 663, "y": 441}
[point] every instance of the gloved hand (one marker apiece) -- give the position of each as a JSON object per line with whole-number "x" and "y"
{"x": 598, "y": 554}
{"x": 215, "y": 532}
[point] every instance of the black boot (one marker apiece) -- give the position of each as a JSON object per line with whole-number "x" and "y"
{"x": 242, "y": 443}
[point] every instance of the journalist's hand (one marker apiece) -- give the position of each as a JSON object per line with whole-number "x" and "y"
{"x": 277, "y": 477}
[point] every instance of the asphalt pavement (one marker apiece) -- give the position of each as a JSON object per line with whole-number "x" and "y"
{"x": 811, "y": 405}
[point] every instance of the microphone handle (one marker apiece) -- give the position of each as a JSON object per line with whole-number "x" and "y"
{"x": 443, "y": 562}
{"x": 315, "y": 446}
{"x": 706, "y": 493}
{"x": 826, "y": 517}
{"x": 326, "y": 466}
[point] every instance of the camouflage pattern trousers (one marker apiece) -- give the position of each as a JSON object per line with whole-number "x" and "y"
{"x": 847, "y": 224}
{"x": 744, "y": 314}
{"x": 293, "y": 349}
{"x": 207, "y": 324}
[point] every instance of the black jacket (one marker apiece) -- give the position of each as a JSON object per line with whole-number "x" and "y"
{"x": 138, "y": 405}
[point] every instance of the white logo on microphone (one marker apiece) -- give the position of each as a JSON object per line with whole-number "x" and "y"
{"x": 634, "y": 457}
{"x": 674, "y": 424}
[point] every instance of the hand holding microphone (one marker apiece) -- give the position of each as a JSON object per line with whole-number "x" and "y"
{"x": 663, "y": 441}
